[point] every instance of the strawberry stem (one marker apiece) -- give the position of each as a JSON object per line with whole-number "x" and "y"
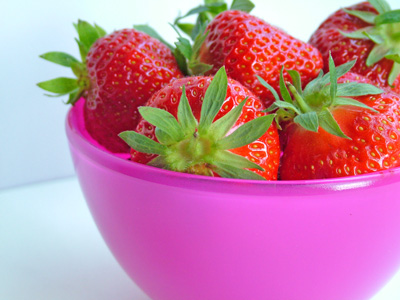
{"x": 303, "y": 105}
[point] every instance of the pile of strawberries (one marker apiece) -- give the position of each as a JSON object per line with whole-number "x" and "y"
{"x": 237, "y": 97}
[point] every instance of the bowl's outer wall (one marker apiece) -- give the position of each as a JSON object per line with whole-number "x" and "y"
{"x": 182, "y": 243}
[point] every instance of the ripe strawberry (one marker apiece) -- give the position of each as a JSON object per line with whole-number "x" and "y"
{"x": 347, "y": 127}
{"x": 369, "y": 33}
{"x": 118, "y": 73}
{"x": 241, "y": 143}
{"x": 247, "y": 46}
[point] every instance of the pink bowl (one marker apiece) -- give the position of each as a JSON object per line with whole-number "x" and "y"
{"x": 188, "y": 237}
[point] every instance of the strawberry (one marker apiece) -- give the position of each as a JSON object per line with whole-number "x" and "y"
{"x": 177, "y": 131}
{"x": 248, "y": 46}
{"x": 337, "y": 128}
{"x": 118, "y": 73}
{"x": 369, "y": 33}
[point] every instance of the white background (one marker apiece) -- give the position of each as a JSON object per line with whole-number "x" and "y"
{"x": 33, "y": 145}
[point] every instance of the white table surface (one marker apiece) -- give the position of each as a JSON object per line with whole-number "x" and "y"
{"x": 50, "y": 249}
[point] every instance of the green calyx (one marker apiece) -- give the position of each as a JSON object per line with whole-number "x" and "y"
{"x": 206, "y": 13}
{"x": 201, "y": 147}
{"x": 74, "y": 87}
{"x": 311, "y": 108}
{"x": 185, "y": 53}
{"x": 187, "y": 49}
{"x": 384, "y": 31}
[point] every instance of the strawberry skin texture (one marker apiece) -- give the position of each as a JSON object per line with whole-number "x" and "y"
{"x": 343, "y": 49}
{"x": 248, "y": 46}
{"x": 265, "y": 151}
{"x": 374, "y": 144}
{"x": 125, "y": 68}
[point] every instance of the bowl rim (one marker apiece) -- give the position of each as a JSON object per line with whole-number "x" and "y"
{"x": 148, "y": 173}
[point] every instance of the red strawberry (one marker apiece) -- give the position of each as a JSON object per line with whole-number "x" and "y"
{"x": 367, "y": 33}
{"x": 339, "y": 129}
{"x": 241, "y": 138}
{"x": 247, "y": 46}
{"x": 120, "y": 72}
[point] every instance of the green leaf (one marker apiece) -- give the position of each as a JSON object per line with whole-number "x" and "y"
{"x": 296, "y": 80}
{"x": 344, "y": 68}
{"x": 213, "y": 99}
{"x": 228, "y": 171}
{"x": 308, "y": 120}
{"x": 185, "y": 115}
{"x": 198, "y": 42}
{"x": 206, "y": 2}
{"x": 333, "y": 77}
{"x": 184, "y": 47}
{"x": 74, "y": 96}
{"x": 376, "y": 54}
{"x": 316, "y": 84}
{"x": 247, "y": 133}
{"x": 352, "y": 102}
{"x": 357, "y": 89}
{"x": 59, "y": 58}
{"x": 396, "y": 35}
{"x": 82, "y": 50}
{"x": 358, "y": 34}
{"x": 193, "y": 11}
{"x": 181, "y": 61}
{"x": 238, "y": 161}
{"x": 243, "y": 5}
{"x": 142, "y": 143}
{"x": 270, "y": 88}
{"x": 380, "y": 5}
{"x": 340, "y": 71}
{"x": 205, "y": 13}
{"x": 284, "y": 90}
{"x": 214, "y": 8}
{"x": 60, "y": 85}
{"x": 374, "y": 36}
{"x": 286, "y": 105}
{"x": 222, "y": 126}
{"x": 154, "y": 34}
{"x": 87, "y": 34}
{"x": 60, "y": 95}
{"x": 272, "y": 107}
{"x": 329, "y": 124}
{"x": 200, "y": 26}
{"x": 163, "y": 137}
{"x": 394, "y": 57}
{"x": 195, "y": 66}
{"x": 199, "y": 68}
{"x": 394, "y": 73}
{"x": 186, "y": 28}
{"x": 388, "y": 17}
{"x": 366, "y": 16}
{"x": 100, "y": 31}
{"x": 79, "y": 69}
{"x": 158, "y": 162}
{"x": 163, "y": 120}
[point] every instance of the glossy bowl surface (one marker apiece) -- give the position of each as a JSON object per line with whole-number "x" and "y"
{"x": 188, "y": 237}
